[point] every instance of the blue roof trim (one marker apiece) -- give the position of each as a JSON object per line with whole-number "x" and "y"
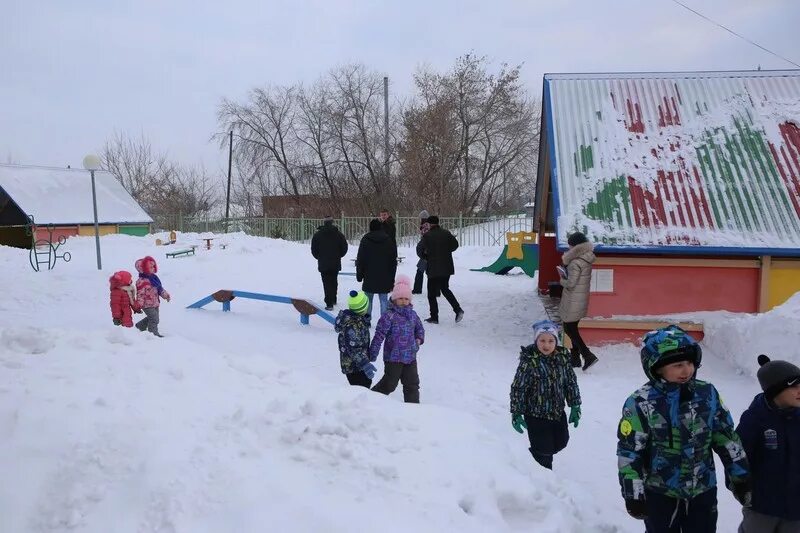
{"x": 695, "y": 250}
{"x": 551, "y": 140}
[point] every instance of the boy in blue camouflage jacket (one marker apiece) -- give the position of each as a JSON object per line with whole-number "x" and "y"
{"x": 668, "y": 429}
{"x": 544, "y": 382}
{"x": 352, "y": 325}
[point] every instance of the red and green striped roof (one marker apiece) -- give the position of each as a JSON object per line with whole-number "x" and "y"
{"x": 672, "y": 162}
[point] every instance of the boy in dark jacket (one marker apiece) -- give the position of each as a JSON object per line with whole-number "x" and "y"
{"x": 401, "y": 333}
{"x": 352, "y": 325}
{"x": 770, "y": 432}
{"x": 668, "y": 429}
{"x": 436, "y": 247}
{"x": 328, "y": 246}
{"x": 376, "y": 265}
{"x": 544, "y": 381}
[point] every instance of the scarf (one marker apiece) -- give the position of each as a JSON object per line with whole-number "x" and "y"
{"x": 154, "y": 281}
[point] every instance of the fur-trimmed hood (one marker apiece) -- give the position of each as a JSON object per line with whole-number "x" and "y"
{"x": 584, "y": 250}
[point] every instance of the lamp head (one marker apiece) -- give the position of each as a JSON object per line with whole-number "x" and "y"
{"x": 91, "y": 162}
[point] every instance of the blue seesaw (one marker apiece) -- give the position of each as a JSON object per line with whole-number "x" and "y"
{"x": 304, "y": 307}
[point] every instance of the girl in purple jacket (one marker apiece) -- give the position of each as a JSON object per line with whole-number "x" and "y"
{"x": 401, "y": 333}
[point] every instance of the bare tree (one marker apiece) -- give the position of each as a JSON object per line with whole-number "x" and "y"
{"x": 159, "y": 185}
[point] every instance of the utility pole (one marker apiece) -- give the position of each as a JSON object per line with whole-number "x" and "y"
{"x": 228, "y": 197}
{"x": 386, "y": 126}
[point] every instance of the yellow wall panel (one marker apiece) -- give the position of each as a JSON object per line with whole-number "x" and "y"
{"x": 104, "y": 230}
{"x": 784, "y": 281}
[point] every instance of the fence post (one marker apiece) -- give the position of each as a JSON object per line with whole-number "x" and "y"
{"x": 206, "y": 223}
{"x": 265, "y": 226}
{"x": 302, "y": 227}
{"x": 180, "y": 222}
{"x": 341, "y": 224}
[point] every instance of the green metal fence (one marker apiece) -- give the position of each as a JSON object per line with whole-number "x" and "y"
{"x": 470, "y": 231}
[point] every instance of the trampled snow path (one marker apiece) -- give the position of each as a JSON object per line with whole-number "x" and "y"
{"x": 242, "y": 421}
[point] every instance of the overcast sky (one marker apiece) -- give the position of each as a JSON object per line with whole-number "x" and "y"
{"x": 76, "y": 71}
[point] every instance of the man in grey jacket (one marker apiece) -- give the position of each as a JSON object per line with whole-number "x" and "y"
{"x": 576, "y": 278}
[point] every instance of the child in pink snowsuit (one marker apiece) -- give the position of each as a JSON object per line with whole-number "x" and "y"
{"x": 148, "y": 294}
{"x": 123, "y": 298}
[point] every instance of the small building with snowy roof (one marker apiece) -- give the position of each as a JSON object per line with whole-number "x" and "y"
{"x": 687, "y": 183}
{"x": 62, "y": 198}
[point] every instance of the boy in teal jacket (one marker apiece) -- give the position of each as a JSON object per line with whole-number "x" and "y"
{"x": 668, "y": 430}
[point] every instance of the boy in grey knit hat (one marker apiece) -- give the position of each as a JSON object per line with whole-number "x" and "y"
{"x": 770, "y": 433}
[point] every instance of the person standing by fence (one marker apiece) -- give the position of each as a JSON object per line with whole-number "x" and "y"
{"x": 389, "y": 226}
{"x": 328, "y": 246}
{"x": 437, "y": 247}
{"x": 424, "y": 226}
{"x": 376, "y": 265}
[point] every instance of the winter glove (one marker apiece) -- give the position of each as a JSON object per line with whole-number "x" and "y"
{"x": 369, "y": 370}
{"x": 743, "y": 493}
{"x": 574, "y": 415}
{"x": 117, "y": 322}
{"x": 636, "y": 508}
{"x": 518, "y": 423}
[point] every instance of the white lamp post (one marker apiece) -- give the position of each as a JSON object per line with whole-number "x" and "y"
{"x": 92, "y": 163}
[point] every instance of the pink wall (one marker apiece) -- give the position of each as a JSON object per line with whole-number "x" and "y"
{"x": 66, "y": 231}
{"x": 652, "y": 290}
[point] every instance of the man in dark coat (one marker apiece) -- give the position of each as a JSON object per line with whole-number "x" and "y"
{"x": 437, "y": 247}
{"x": 389, "y": 226}
{"x": 328, "y": 246}
{"x": 376, "y": 265}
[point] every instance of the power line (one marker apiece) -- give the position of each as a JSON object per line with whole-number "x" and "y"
{"x": 736, "y": 34}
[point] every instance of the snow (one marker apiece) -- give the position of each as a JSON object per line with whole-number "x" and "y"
{"x": 64, "y": 196}
{"x": 242, "y": 421}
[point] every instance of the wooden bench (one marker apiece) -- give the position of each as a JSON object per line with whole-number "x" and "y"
{"x": 179, "y": 253}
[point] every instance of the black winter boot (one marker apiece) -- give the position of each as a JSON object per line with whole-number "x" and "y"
{"x": 543, "y": 459}
{"x": 575, "y": 359}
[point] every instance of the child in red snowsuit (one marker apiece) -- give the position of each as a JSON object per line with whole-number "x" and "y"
{"x": 148, "y": 294}
{"x": 123, "y": 299}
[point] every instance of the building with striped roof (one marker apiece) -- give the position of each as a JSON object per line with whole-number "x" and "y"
{"x": 688, "y": 183}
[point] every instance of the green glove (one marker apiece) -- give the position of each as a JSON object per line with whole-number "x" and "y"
{"x": 575, "y": 415}
{"x": 518, "y": 422}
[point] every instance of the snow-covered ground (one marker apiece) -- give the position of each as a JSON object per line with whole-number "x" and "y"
{"x": 242, "y": 421}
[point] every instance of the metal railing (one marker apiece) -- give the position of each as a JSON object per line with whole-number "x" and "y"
{"x": 470, "y": 231}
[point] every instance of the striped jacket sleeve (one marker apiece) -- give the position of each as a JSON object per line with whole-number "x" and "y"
{"x": 726, "y": 442}
{"x": 633, "y": 437}
{"x": 520, "y": 387}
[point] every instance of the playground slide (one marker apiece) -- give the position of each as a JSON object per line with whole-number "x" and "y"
{"x": 503, "y": 265}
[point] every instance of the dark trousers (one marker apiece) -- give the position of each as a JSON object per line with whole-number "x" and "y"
{"x": 440, "y": 285}
{"x": 670, "y": 515}
{"x": 330, "y": 284}
{"x": 400, "y": 372}
{"x": 418, "y": 279}
{"x": 547, "y": 438}
{"x": 359, "y": 379}
{"x": 578, "y": 346}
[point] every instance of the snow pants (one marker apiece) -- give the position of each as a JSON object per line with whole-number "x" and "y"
{"x": 330, "y": 286}
{"x": 671, "y": 515}
{"x": 547, "y": 438}
{"x": 754, "y": 522}
{"x": 400, "y": 372}
{"x": 359, "y": 379}
{"x": 150, "y": 320}
{"x": 437, "y": 286}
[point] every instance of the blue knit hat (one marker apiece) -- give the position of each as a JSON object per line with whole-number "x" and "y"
{"x": 546, "y": 326}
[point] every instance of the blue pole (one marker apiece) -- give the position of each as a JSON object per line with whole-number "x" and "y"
{"x": 96, "y": 227}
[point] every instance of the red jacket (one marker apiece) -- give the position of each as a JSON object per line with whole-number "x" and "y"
{"x": 123, "y": 302}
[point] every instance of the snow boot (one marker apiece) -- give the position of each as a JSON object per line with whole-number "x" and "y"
{"x": 575, "y": 359}
{"x": 545, "y": 460}
{"x": 589, "y": 360}
{"x": 432, "y": 320}
{"x": 459, "y": 315}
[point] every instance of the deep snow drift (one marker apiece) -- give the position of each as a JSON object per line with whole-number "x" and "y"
{"x": 242, "y": 421}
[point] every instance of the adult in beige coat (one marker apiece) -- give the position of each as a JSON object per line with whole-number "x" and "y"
{"x": 576, "y": 279}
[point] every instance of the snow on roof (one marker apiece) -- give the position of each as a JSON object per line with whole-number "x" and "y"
{"x": 671, "y": 162}
{"x": 64, "y": 196}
